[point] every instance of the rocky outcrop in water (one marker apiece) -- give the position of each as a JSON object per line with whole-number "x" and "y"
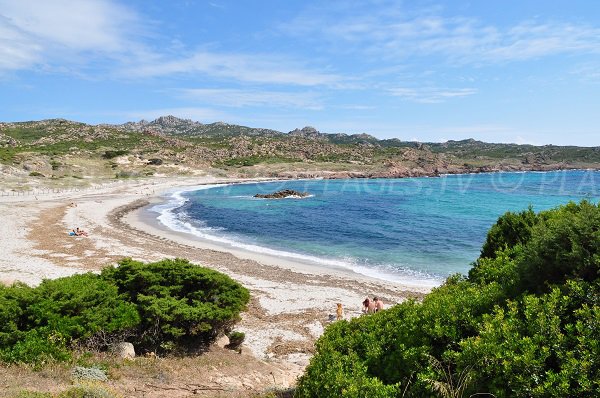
{"x": 286, "y": 193}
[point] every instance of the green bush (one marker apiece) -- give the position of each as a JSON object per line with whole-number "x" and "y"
{"x": 162, "y": 306}
{"x": 40, "y": 325}
{"x": 236, "y": 339}
{"x": 36, "y": 174}
{"x": 526, "y": 322}
{"x": 180, "y": 304}
{"x": 510, "y": 230}
{"x": 114, "y": 154}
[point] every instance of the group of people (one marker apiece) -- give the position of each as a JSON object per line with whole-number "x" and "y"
{"x": 370, "y": 306}
{"x": 78, "y": 232}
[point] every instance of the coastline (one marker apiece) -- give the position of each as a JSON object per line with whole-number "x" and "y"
{"x": 145, "y": 218}
{"x": 290, "y": 303}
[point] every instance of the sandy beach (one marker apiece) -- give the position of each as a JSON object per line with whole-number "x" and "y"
{"x": 291, "y": 301}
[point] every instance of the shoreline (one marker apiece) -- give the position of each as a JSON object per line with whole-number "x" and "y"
{"x": 144, "y": 218}
{"x": 104, "y": 184}
{"x": 290, "y": 305}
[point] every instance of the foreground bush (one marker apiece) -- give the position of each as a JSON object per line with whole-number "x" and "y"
{"x": 40, "y": 324}
{"x": 163, "y": 306}
{"x": 180, "y": 304}
{"x": 526, "y": 322}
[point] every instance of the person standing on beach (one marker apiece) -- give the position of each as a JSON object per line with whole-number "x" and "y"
{"x": 340, "y": 311}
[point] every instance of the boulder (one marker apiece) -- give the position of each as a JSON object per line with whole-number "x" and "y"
{"x": 285, "y": 193}
{"x": 123, "y": 350}
{"x": 222, "y": 341}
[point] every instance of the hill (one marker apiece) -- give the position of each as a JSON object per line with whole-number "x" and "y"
{"x": 59, "y": 148}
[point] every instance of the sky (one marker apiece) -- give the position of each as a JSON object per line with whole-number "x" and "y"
{"x": 524, "y": 71}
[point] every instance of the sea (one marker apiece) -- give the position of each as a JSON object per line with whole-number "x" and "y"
{"x": 410, "y": 230}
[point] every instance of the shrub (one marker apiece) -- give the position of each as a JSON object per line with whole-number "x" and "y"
{"x": 93, "y": 374}
{"x": 36, "y": 174}
{"x": 164, "y": 306}
{"x": 80, "y": 305}
{"x": 526, "y": 322}
{"x": 88, "y": 390}
{"x": 41, "y": 324}
{"x": 114, "y": 154}
{"x": 180, "y": 304}
{"x": 236, "y": 339}
{"x": 565, "y": 245}
{"x": 510, "y": 230}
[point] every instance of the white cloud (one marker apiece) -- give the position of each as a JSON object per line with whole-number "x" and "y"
{"x": 397, "y": 33}
{"x": 37, "y": 32}
{"x": 16, "y": 51}
{"x": 240, "y": 67}
{"x": 243, "y": 98}
{"x": 67, "y": 36}
{"x": 430, "y": 95}
{"x": 588, "y": 72}
{"x": 358, "y": 107}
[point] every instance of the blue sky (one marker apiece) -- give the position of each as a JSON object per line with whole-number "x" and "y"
{"x": 503, "y": 71}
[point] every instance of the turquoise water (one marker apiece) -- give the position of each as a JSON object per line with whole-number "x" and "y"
{"x": 413, "y": 229}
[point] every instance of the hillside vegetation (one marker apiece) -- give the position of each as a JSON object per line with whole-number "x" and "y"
{"x": 524, "y": 323}
{"x": 59, "y": 149}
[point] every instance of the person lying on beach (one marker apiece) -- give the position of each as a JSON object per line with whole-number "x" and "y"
{"x": 72, "y": 233}
{"x": 80, "y": 232}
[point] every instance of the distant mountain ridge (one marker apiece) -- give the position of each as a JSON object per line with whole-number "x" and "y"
{"x": 176, "y": 126}
{"x": 171, "y": 145}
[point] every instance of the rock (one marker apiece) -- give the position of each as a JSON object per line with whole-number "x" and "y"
{"x": 123, "y": 350}
{"x": 243, "y": 350}
{"x": 285, "y": 193}
{"x": 155, "y": 162}
{"x": 307, "y": 132}
{"x": 222, "y": 341}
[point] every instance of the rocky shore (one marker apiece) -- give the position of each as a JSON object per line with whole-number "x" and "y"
{"x": 285, "y": 193}
{"x": 401, "y": 171}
